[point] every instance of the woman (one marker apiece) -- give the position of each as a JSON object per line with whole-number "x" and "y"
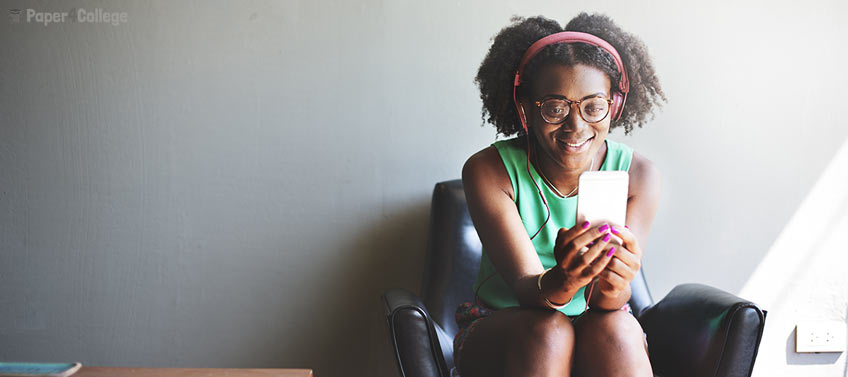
{"x": 540, "y": 270}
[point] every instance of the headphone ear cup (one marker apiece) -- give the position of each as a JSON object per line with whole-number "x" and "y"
{"x": 617, "y": 105}
{"x": 522, "y": 114}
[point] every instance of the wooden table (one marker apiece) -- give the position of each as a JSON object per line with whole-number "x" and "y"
{"x": 189, "y": 372}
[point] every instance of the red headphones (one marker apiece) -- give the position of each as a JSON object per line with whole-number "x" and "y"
{"x": 619, "y": 96}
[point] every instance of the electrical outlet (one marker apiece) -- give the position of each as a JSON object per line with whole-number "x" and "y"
{"x": 820, "y": 336}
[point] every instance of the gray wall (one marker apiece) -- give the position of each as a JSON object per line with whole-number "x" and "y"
{"x": 227, "y": 184}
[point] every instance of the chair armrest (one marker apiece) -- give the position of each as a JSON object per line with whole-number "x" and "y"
{"x": 414, "y": 335}
{"x": 697, "y": 330}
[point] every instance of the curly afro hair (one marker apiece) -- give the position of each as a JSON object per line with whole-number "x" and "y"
{"x": 496, "y": 73}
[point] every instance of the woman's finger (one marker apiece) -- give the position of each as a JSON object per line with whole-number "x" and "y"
{"x": 628, "y": 238}
{"x": 593, "y": 251}
{"x": 565, "y": 235}
{"x": 600, "y": 261}
{"x": 621, "y": 269}
{"x": 570, "y": 243}
{"x": 613, "y": 279}
{"x": 627, "y": 257}
{"x": 590, "y": 235}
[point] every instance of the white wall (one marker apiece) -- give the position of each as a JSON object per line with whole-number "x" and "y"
{"x": 234, "y": 184}
{"x": 802, "y": 278}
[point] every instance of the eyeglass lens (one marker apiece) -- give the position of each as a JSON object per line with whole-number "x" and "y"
{"x": 592, "y": 110}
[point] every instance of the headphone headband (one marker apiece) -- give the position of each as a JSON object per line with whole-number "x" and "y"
{"x": 574, "y": 37}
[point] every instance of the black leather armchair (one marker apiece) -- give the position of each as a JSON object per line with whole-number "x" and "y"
{"x": 695, "y": 331}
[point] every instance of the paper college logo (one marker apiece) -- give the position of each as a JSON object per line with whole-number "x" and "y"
{"x": 75, "y": 15}
{"x": 15, "y": 16}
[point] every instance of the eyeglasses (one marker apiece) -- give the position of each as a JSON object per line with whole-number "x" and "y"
{"x": 555, "y": 109}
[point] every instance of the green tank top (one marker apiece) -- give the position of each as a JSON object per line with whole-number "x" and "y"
{"x": 494, "y": 291}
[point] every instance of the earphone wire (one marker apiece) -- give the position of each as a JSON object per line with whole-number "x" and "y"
{"x": 542, "y": 196}
{"x": 538, "y": 189}
{"x": 548, "y": 210}
{"x": 548, "y": 217}
{"x": 619, "y": 101}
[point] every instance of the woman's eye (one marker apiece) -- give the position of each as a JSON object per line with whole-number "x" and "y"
{"x": 558, "y": 109}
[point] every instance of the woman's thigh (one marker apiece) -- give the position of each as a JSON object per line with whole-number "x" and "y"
{"x": 610, "y": 344}
{"x": 518, "y": 342}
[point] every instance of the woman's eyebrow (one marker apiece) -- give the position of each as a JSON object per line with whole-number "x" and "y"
{"x": 585, "y": 97}
{"x": 598, "y": 94}
{"x": 594, "y": 95}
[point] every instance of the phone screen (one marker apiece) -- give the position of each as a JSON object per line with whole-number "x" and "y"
{"x": 603, "y": 197}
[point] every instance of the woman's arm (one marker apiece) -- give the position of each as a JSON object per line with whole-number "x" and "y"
{"x": 490, "y": 202}
{"x": 613, "y": 287}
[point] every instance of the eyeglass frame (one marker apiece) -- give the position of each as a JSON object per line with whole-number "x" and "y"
{"x": 579, "y": 109}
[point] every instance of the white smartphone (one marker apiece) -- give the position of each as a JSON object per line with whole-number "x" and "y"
{"x": 603, "y": 198}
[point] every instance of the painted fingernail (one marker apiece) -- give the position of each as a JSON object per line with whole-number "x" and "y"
{"x": 614, "y": 231}
{"x": 627, "y": 227}
{"x": 603, "y": 228}
{"x": 591, "y": 243}
{"x": 611, "y": 252}
{"x": 607, "y": 237}
{"x": 586, "y": 225}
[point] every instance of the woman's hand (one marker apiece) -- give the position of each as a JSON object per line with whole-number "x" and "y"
{"x": 623, "y": 266}
{"x": 580, "y": 255}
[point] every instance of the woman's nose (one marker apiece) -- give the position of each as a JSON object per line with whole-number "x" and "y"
{"x": 574, "y": 122}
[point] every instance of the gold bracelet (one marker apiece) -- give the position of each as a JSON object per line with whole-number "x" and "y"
{"x": 547, "y": 301}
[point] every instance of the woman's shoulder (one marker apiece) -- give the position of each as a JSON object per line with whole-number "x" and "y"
{"x": 482, "y": 159}
{"x": 645, "y": 178}
{"x": 494, "y": 158}
{"x": 486, "y": 169}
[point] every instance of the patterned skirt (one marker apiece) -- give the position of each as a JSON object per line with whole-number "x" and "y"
{"x": 469, "y": 314}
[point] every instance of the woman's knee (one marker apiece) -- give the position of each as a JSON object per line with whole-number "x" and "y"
{"x": 618, "y": 326}
{"x": 543, "y": 343}
{"x": 518, "y": 339}
{"x": 610, "y": 344}
{"x": 548, "y": 330}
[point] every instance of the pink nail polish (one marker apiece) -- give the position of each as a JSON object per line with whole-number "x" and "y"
{"x": 627, "y": 227}
{"x": 603, "y": 228}
{"x": 586, "y": 225}
{"x": 607, "y": 237}
{"x": 611, "y": 252}
{"x": 614, "y": 231}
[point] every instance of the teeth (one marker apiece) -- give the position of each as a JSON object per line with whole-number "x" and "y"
{"x": 578, "y": 144}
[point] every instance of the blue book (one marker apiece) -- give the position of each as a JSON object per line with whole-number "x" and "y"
{"x": 38, "y": 369}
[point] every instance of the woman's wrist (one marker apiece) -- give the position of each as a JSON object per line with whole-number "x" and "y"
{"x": 607, "y": 302}
{"x": 551, "y": 288}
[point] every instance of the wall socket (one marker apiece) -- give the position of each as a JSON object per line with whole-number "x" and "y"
{"x": 820, "y": 336}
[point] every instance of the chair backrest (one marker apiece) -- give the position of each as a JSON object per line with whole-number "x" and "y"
{"x": 453, "y": 255}
{"x": 453, "y": 259}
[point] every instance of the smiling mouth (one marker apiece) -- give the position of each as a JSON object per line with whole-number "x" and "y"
{"x": 580, "y": 144}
